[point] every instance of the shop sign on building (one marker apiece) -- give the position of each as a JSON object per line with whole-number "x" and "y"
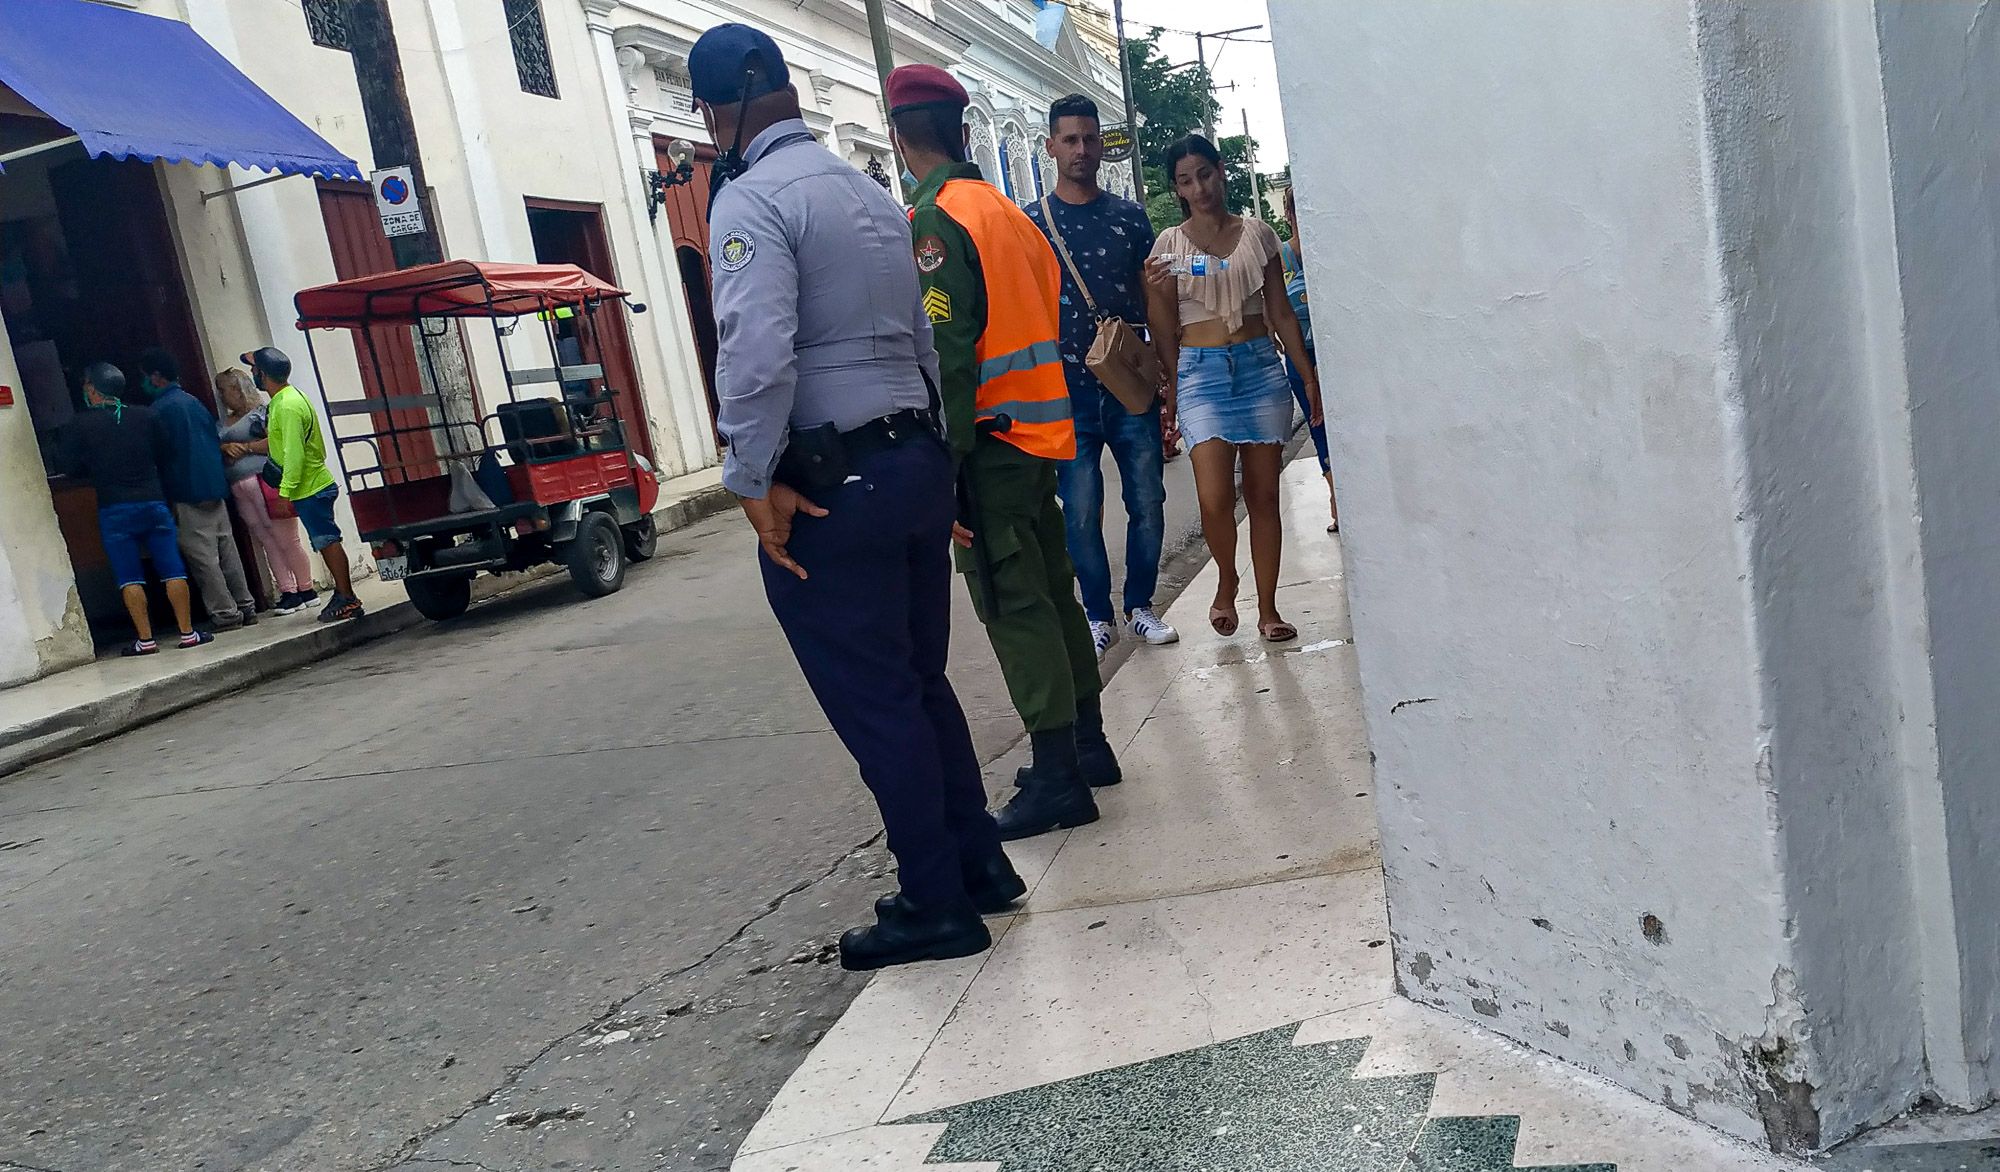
{"x": 1117, "y": 144}
{"x": 396, "y": 201}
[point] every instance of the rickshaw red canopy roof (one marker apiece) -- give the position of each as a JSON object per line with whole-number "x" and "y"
{"x": 453, "y": 288}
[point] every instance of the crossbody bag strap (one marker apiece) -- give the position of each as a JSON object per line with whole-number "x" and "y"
{"x": 1062, "y": 250}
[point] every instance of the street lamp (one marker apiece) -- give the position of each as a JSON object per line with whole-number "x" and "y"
{"x": 657, "y": 182}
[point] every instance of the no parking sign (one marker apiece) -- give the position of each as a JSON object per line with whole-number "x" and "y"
{"x": 396, "y": 201}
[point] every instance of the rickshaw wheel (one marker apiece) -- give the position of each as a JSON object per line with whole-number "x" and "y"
{"x": 440, "y": 597}
{"x": 596, "y": 557}
{"x": 642, "y": 537}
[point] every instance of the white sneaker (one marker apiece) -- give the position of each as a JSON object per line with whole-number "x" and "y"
{"x": 1104, "y": 635}
{"x": 1150, "y": 627}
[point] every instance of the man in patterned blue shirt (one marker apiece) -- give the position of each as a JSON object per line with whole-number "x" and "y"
{"x": 1109, "y": 239}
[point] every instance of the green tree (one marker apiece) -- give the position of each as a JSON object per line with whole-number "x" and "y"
{"x": 1175, "y": 101}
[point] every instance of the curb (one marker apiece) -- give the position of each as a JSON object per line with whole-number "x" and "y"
{"x": 101, "y": 719}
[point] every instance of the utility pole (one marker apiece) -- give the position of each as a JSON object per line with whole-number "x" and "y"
{"x": 1131, "y": 111}
{"x": 885, "y": 56}
{"x": 392, "y": 129}
{"x": 392, "y": 140}
{"x": 885, "y": 63}
{"x": 1256, "y": 180}
{"x": 1201, "y": 55}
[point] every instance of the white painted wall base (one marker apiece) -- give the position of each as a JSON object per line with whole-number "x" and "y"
{"x": 1659, "y": 342}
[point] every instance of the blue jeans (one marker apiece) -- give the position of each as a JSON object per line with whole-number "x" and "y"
{"x": 1299, "y": 396}
{"x": 1134, "y": 440}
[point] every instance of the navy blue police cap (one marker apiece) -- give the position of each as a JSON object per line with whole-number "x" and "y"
{"x": 724, "y": 54}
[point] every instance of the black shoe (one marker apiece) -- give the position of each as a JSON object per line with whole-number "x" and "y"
{"x": 993, "y": 884}
{"x": 1052, "y": 794}
{"x": 1094, "y": 758}
{"x": 905, "y": 934}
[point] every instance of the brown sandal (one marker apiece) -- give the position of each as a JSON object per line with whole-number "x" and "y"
{"x": 1223, "y": 619}
{"x": 1277, "y": 631}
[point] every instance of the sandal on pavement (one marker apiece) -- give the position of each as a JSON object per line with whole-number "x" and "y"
{"x": 138, "y": 647}
{"x": 195, "y": 639}
{"x": 1223, "y": 619}
{"x": 1277, "y": 631}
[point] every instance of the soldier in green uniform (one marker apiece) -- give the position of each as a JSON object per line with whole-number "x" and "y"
{"x": 990, "y": 288}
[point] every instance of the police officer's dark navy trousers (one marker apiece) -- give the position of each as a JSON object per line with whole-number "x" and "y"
{"x": 871, "y": 627}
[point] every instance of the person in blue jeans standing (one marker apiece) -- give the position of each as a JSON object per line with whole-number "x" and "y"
{"x": 1295, "y": 291}
{"x": 1108, "y": 239}
{"x": 120, "y": 447}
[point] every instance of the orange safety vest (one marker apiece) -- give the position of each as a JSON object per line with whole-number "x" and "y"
{"x": 1020, "y": 365}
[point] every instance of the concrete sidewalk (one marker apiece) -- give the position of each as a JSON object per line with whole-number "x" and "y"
{"x": 58, "y": 713}
{"x": 1202, "y": 980}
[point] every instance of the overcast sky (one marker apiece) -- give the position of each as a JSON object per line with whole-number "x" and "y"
{"x": 1249, "y": 66}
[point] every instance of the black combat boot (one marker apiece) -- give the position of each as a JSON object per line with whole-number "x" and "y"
{"x": 1094, "y": 757}
{"x": 992, "y": 883}
{"x": 903, "y": 933}
{"x": 1052, "y": 795}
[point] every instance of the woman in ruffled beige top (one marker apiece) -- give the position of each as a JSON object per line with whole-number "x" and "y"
{"x": 1226, "y": 385}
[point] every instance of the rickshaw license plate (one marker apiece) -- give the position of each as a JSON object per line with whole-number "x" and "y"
{"x": 392, "y": 569}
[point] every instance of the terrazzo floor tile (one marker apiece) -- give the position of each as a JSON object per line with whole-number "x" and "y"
{"x": 1966, "y": 1155}
{"x": 1076, "y": 991}
{"x": 875, "y": 1149}
{"x": 1255, "y": 1104}
{"x": 1568, "y": 1117}
{"x": 852, "y": 1076}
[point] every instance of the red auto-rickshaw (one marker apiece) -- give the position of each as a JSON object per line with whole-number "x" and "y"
{"x": 557, "y": 469}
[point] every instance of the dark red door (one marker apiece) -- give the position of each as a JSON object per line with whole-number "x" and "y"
{"x": 354, "y": 233}
{"x": 573, "y": 233}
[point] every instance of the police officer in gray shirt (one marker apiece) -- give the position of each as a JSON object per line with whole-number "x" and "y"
{"x": 825, "y": 377}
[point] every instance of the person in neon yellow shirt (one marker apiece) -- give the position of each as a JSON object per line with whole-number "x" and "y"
{"x": 294, "y": 443}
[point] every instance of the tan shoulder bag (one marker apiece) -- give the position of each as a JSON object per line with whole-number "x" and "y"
{"x": 1119, "y": 358}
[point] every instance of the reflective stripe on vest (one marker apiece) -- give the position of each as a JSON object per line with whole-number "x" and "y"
{"x": 1019, "y": 363}
{"x": 1027, "y": 358}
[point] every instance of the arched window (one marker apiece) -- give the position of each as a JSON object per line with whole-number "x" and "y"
{"x": 985, "y": 151}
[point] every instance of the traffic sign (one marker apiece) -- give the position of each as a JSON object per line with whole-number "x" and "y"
{"x": 396, "y": 201}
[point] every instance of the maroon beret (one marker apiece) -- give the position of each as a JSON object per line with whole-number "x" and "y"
{"x": 924, "y": 85}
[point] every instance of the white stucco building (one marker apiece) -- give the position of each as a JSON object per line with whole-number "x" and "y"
{"x": 1021, "y": 55}
{"x": 1015, "y": 57}
{"x": 1660, "y": 341}
{"x": 100, "y": 258}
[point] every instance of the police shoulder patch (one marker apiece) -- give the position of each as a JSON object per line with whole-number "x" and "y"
{"x": 736, "y": 251}
{"x": 937, "y": 303}
{"x": 930, "y": 254}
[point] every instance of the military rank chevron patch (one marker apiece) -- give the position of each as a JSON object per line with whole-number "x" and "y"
{"x": 937, "y": 303}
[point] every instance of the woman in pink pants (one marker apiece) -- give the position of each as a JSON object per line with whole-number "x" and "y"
{"x": 242, "y": 421}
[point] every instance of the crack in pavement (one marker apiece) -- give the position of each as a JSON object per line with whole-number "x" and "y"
{"x": 451, "y": 1163}
{"x": 16, "y": 1166}
{"x": 513, "y": 1072}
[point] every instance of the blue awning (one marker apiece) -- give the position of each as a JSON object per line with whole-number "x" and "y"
{"x": 134, "y": 86}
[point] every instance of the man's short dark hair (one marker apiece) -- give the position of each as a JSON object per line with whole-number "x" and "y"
{"x": 938, "y": 127}
{"x": 156, "y": 360}
{"x": 1073, "y": 106}
{"x": 271, "y": 363}
{"x": 105, "y": 379}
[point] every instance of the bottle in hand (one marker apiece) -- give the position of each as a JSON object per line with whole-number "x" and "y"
{"x": 1198, "y": 264}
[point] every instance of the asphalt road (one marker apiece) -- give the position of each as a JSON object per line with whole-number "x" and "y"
{"x": 559, "y": 856}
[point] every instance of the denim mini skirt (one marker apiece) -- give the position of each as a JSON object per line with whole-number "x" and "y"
{"x": 1238, "y": 394}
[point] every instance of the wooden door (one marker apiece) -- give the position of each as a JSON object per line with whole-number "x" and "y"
{"x": 573, "y": 233}
{"x": 354, "y": 233}
{"x": 114, "y": 224}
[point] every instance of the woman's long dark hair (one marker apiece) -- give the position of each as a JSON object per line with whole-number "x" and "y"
{"x": 1200, "y": 147}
